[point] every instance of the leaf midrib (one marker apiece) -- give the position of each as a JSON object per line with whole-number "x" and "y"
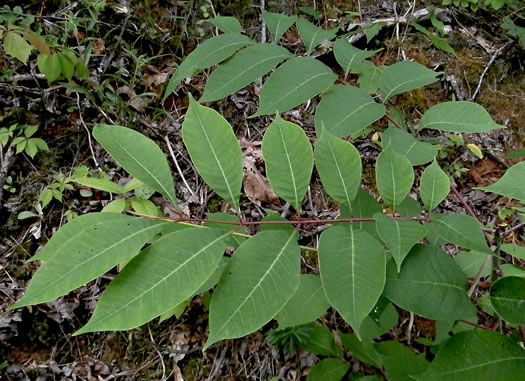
{"x": 227, "y": 183}
{"x": 191, "y": 258}
{"x": 249, "y": 296}
{"x": 93, "y": 257}
{"x": 276, "y": 102}
{"x": 167, "y": 193}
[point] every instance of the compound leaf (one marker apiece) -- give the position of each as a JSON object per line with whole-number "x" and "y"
{"x": 307, "y": 304}
{"x": 399, "y": 235}
{"x": 260, "y": 279}
{"x": 434, "y": 187}
{"x": 352, "y": 267}
{"x": 405, "y": 76}
{"x": 344, "y": 110}
{"x": 394, "y": 176}
{"x": 209, "y": 53}
{"x": 277, "y": 24}
{"x": 430, "y": 284}
{"x": 512, "y": 184}
{"x": 458, "y": 117}
{"x": 339, "y": 166}
{"x": 242, "y": 69}
{"x": 85, "y": 248}
{"x": 138, "y": 155}
{"x": 214, "y": 150}
{"x": 490, "y": 357}
{"x": 507, "y": 296}
{"x": 289, "y": 160}
{"x": 165, "y": 274}
{"x": 293, "y": 83}
{"x": 313, "y": 35}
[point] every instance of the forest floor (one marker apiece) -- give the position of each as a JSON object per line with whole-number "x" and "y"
{"x": 135, "y": 48}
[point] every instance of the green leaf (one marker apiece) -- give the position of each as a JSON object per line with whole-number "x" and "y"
{"x": 30, "y": 130}
{"x": 372, "y": 30}
{"x": 31, "y": 148}
{"x": 138, "y": 155}
{"x": 405, "y": 76}
{"x": 399, "y": 235}
{"x": 165, "y": 274}
{"x": 339, "y": 166}
{"x": 40, "y": 144}
{"x": 144, "y": 207}
{"x": 261, "y": 277}
{"x": 369, "y": 75}
{"x": 430, "y": 284}
{"x": 461, "y": 230}
{"x": 17, "y": 47}
{"x": 115, "y": 206}
{"x": 85, "y": 248}
{"x": 514, "y": 250}
{"x": 242, "y": 69}
{"x": 227, "y": 24}
{"x": 345, "y": 110}
{"x": 400, "y": 361}
{"x": 289, "y": 160}
{"x": 507, "y": 296}
{"x": 307, "y": 304}
{"x": 176, "y": 311}
{"x": 382, "y": 319}
{"x": 352, "y": 267}
{"x": 511, "y": 185}
{"x": 409, "y": 208}
{"x": 313, "y": 35}
{"x": 277, "y": 24}
{"x": 293, "y": 83}
{"x": 363, "y": 351}
{"x": 67, "y": 67}
{"x": 318, "y": 340}
{"x": 233, "y": 240}
{"x": 434, "y": 186}
{"x": 512, "y": 270}
{"x": 209, "y": 53}
{"x": 348, "y": 56}
{"x": 100, "y": 184}
{"x": 458, "y": 117}
{"x": 394, "y": 176}
{"x": 470, "y": 262}
{"x": 476, "y": 355}
{"x": 214, "y": 150}
{"x": 364, "y": 205}
{"x": 49, "y": 64}
{"x": 329, "y": 369}
{"x": 406, "y": 145}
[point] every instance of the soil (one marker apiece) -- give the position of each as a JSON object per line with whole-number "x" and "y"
{"x": 37, "y": 342}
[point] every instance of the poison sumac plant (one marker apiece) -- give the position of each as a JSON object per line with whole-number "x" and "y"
{"x": 369, "y": 261}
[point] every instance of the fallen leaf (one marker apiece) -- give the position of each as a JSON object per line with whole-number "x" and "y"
{"x": 256, "y": 186}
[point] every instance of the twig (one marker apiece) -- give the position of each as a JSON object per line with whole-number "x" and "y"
{"x": 263, "y": 24}
{"x": 159, "y": 354}
{"x": 394, "y": 122}
{"x": 88, "y": 134}
{"x": 287, "y": 222}
{"x": 478, "y": 276}
{"x": 522, "y": 333}
{"x": 475, "y": 325}
{"x": 514, "y": 228}
{"x": 178, "y": 167}
{"x": 6, "y": 162}
{"x": 491, "y": 61}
